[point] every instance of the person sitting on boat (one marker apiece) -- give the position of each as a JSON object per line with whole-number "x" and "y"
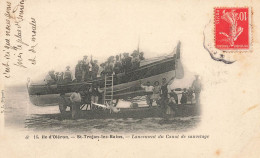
{"x": 67, "y": 75}
{"x": 184, "y": 96}
{"x": 75, "y": 99}
{"x": 149, "y": 91}
{"x": 135, "y": 60}
{"x": 127, "y": 62}
{"x": 141, "y": 56}
{"x": 49, "y": 79}
{"x": 78, "y": 71}
{"x": 156, "y": 92}
{"x": 95, "y": 69}
{"x": 196, "y": 85}
{"x": 85, "y": 68}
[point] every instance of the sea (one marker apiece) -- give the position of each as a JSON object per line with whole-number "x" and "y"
{"x": 21, "y": 114}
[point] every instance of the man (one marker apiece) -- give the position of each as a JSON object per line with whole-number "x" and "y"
{"x": 141, "y": 56}
{"x": 75, "y": 99}
{"x": 85, "y": 68}
{"x": 86, "y": 96}
{"x": 118, "y": 65}
{"x": 48, "y": 79}
{"x": 127, "y": 62}
{"x": 60, "y": 77}
{"x": 102, "y": 71}
{"x": 110, "y": 65}
{"x": 196, "y": 85}
{"x": 67, "y": 75}
{"x": 164, "y": 91}
{"x": 135, "y": 60}
{"x": 184, "y": 96}
{"x": 56, "y": 76}
{"x": 95, "y": 69}
{"x": 52, "y": 74}
{"x": 78, "y": 71}
{"x": 95, "y": 94}
{"x": 149, "y": 90}
{"x": 174, "y": 95}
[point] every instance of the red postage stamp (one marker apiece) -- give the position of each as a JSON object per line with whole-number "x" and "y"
{"x": 232, "y": 28}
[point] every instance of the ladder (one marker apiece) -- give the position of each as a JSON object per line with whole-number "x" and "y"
{"x": 108, "y": 93}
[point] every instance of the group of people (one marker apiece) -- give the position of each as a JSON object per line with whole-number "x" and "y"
{"x": 119, "y": 64}
{"x": 169, "y": 98}
{"x": 89, "y": 95}
{"x": 86, "y": 70}
{"x": 90, "y": 70}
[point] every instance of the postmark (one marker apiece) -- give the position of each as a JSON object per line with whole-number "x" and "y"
{"x": 232, "y": 29}
{"x": 228, "y": 32}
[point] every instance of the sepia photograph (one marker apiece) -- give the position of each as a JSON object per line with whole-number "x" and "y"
{"x": 140, "y": 78}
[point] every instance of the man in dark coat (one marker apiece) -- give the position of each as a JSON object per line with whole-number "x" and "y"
{"x": 78, "y": 71}
{"x": 85, "y": 68}
{"x": 95, "y": 69}
{"x": 68, "y": 75}
{"x": 118, "y": 65}
{"x": 127, "y": 62}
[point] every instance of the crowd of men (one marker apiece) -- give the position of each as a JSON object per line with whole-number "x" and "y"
{"x": 89, "y": 69}
{"x": 163, "y": 95}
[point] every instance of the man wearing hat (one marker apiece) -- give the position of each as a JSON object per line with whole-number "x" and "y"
{"x": 75, "y": 99}
{"x": 118, "y": 65}
{"x": 85, "y": 68}
{"x": 110, "y": 65}
{"x": 78, "y": 71}
{"x": 102, "y": 71}
{"x": 95, "y": 69}
{"x": 67, "y": 75}
{"x": 48, "y": 79}
{"x": 141, "y": 56}
{"x": 196, "y": 85}
{"x": 135, "y": 60}
{"x": 127, "y": 62}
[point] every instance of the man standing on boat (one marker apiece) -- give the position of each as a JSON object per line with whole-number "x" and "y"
{"x": 95, "y": 69}
{"x": 75, "y": 99}
{"x": 85, "y": 68}
{"x": 118, "y": 65}
{"x": 149, "y": 90}
{"x": 127, "y": 62}
{"x": 135, "y": 60}
{"x": 196, "y": 85}
{"x": 78, "y": 71}
{"x": 68, "y": 75}
{"x": 49, "y": 79}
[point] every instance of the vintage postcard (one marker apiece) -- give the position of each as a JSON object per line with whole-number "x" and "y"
{"x": 141, "y": 78}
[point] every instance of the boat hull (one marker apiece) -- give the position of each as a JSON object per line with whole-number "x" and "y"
{"x": 121, "y": 91}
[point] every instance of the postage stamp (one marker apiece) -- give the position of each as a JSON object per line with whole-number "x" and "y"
{"x": 232, "y": 28}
